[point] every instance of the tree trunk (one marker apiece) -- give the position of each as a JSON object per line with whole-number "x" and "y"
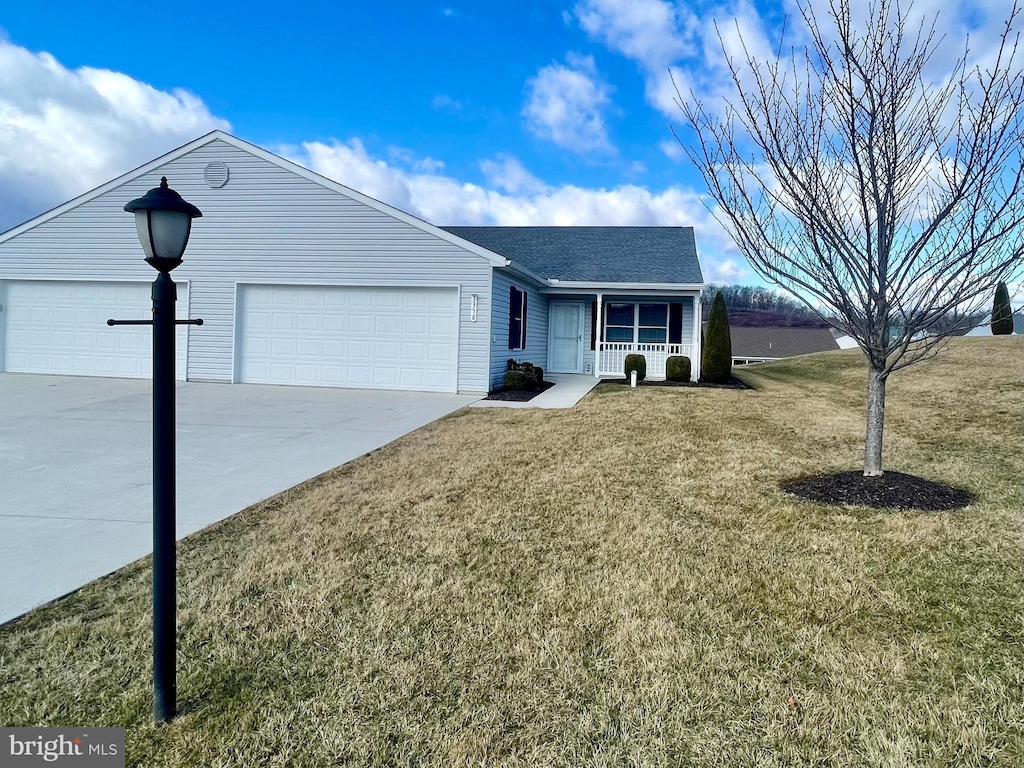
{"x": 876, "y": 423}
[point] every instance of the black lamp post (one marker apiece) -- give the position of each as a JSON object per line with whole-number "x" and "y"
{"x": 164, "y": 222}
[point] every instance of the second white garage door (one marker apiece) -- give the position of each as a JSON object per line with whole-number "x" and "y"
{"x": 386, "y": 338}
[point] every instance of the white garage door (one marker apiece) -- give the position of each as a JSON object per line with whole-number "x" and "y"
{"x": 60, "y": 327}
{"x": 387, "y": 338}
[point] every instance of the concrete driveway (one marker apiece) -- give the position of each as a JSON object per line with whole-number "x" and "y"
{"x": 76, "y": 472}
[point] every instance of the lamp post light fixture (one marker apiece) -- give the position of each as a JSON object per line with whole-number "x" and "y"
{"x": 164, "y": 221}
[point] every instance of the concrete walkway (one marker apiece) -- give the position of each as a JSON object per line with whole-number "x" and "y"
{"x": 76, "y": 464}
{"x": 569, "y": 389}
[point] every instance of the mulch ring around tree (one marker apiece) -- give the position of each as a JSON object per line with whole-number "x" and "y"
{"x": 518, "y": 395}
{"x": 891, "y": 490}
{"x": 732, "y": 383}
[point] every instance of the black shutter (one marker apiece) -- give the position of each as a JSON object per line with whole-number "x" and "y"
{"x": 514, "y": 321}
{"x": 675, "y": 323}
{"x": 593, "y": 325}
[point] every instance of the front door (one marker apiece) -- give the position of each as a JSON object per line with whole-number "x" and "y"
{"x": 566, "y": 339}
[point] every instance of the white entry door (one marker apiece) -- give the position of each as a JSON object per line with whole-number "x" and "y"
{"x": 565, "y": 344}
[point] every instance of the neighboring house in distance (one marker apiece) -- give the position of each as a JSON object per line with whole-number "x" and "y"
{"x": 958, "y": 327}
{"x": 301, "y": 280}
{"x": 843, "y": 340}
{"x": 759, "y": 345}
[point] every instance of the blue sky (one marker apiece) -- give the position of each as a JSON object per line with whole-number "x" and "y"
{"x": 528, "y": 112}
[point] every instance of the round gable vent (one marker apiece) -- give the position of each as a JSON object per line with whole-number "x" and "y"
{"x": 216, "y": 175}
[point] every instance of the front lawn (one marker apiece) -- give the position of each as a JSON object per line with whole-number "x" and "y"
{"x": 623, "y": 583}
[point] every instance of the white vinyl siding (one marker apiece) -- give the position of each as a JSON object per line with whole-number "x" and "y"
{"x": 266, "y": 225}
{"x": 688, "y": 305}
{"x": 60, "y": 327}
{"x": 389, "y": 338}
{"x": 536, "y": 351}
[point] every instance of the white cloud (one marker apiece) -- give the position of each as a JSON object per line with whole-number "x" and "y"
{"x": 350, "y": 164}
{"x": 430, "y": 165}
{"x": 565, "y": 104}
{"x": 967, "y": 26}
{"x": 403, "y": 156}
{"x": 442, "y": 102}
{"x": 660, "y": 34}
{"x": 730, "y": 272}
{"x": 672, "y": 149}
{"x": 64, "y": 132}
{"x": 508, "y": 174}
{"x": 651, "y": 32}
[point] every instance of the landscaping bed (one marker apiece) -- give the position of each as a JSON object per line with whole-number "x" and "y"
{"x": 519, "y": 395}
{"x": 891, "y": 490}
{"x": 732, "y": 383}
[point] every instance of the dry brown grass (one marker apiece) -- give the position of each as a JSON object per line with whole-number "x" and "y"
{"x": 620, "y": 584}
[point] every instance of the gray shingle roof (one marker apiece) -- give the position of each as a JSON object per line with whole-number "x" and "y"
{"x": 595, "y": 254}
{"x": 779, "y": 342}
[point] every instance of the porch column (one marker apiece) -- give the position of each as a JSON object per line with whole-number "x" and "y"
{"x": 600, "y": 338}
{"x": 697, "y": 320}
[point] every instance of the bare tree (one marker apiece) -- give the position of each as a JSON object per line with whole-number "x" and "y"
{"x": 881, "y": 197}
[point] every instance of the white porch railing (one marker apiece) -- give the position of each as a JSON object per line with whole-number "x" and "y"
{"x": 611, "y": 357}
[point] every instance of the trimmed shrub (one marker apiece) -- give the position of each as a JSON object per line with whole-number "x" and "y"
{"x": 520, "y": 380}
{"x": 1002, "y": 314}
{"x": 636, "y": 363}
{"x": 677, "y": 368}
{"x": 526, "y": 367}
{"x": 716, "y": 360}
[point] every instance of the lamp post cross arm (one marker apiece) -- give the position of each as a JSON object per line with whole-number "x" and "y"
{"x": 197, "y": 321}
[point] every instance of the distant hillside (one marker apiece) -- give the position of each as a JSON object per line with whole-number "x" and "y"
{"x": 757, "y": 318}
{"x": 757, "y": 306}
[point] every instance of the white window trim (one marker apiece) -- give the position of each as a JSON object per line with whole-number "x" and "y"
{"x": 607, "y": 325}
{"x": 636, "y": 320}
{"x": 646, "y": 327}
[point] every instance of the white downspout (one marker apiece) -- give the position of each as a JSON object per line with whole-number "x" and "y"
{"x": 600, "y": 338}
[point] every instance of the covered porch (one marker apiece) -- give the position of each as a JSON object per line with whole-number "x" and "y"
{"x": 657, "y": 325}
